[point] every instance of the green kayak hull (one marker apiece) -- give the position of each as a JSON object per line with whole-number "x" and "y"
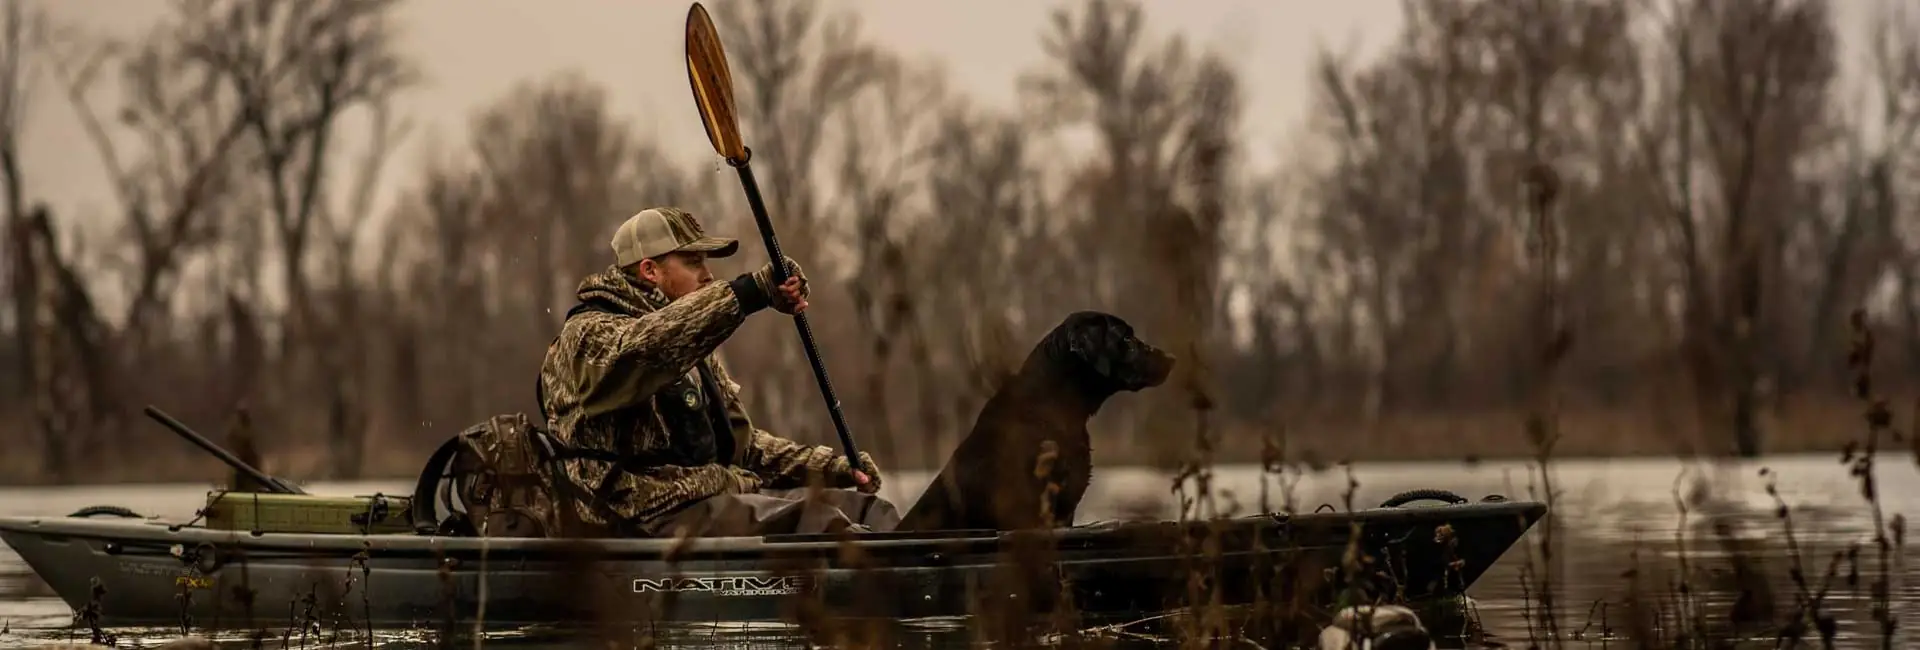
{"x": 130, "y": 571}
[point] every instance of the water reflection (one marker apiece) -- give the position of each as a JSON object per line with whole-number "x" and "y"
{"x": 1626, "y": 553}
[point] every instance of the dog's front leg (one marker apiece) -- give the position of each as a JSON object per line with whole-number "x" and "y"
{"x": 1049, "y": 485}
{"x": 1066, "y": 500}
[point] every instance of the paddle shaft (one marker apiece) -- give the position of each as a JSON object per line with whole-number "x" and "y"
{"x": 272, "y": 484}
{"x": 799, "y": 320}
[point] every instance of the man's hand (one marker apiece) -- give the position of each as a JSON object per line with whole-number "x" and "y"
{"x": 866, "y": 479}
{"x": 789, "y": 297}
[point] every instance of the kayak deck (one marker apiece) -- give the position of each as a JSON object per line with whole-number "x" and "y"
{"x": 156, "y": 572}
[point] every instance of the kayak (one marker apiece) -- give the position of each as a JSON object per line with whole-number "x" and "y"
{"x": 236, "y": 571}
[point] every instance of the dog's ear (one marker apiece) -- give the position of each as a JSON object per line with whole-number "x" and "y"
{"x": 1101, "y": 344}
{"x": 1107, "y": 348}
{"x": 1086, "y": 339}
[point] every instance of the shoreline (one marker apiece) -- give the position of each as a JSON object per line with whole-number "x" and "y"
{"x": 1810, "y": 427}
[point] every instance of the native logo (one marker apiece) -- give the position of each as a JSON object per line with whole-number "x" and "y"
{"x": 729, "y": 586}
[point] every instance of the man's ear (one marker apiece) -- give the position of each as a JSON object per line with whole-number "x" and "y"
{"x": 647, "y": 269}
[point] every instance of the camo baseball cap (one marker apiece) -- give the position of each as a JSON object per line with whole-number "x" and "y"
{"x": 658, "y": 231}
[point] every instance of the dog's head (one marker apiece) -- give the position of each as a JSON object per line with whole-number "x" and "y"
{"x": 1103, "y": 348}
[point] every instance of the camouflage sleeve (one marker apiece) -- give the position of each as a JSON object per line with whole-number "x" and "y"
{"x": 661, "y": 490}
{"x": 782, "y": 463}
{"x": 618, "y": 360}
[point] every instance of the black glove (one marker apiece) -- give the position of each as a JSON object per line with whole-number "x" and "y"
{"x": 757, "y": 290}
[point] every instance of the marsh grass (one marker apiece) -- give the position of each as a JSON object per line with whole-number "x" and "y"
{"x": 1551, "y": 341}
{"x": 1027, "y": 603}
{"x": 1660, "y": 607}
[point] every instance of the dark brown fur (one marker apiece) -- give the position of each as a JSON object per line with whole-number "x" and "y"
{"x": 1028, "y": 459}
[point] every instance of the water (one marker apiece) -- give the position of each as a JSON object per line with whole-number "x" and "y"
{"x": 1609, "y": 513}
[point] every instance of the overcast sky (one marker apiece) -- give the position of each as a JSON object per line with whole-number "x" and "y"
{"x": 472, "y": 51}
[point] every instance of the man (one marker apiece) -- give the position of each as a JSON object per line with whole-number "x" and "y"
{"x": 633, "y": 376}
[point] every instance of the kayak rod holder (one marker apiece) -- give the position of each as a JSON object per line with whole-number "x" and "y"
{"x": 272, "y": 484}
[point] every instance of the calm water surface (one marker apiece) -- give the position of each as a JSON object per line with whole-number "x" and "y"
{"x": 1610, "y": 515}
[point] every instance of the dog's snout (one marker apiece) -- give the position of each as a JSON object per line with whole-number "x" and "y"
{"x": 1158, "y": 364}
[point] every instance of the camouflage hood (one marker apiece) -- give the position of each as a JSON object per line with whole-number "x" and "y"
{"x": 617, "y": 288}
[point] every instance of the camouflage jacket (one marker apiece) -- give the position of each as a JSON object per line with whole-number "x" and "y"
{"x": 622, "y": 378}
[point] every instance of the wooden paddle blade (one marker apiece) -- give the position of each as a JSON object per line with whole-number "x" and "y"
{"x": 712, "y": 85}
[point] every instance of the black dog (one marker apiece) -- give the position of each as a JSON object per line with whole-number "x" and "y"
{"x": 1028, "y": 460}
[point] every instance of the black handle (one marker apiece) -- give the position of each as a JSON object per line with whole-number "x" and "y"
{"x": 799, "y": 320}
{"x": 272, "y": 484}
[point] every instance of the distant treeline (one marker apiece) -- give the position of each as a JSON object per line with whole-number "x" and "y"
{"x": 1723, "y": 202}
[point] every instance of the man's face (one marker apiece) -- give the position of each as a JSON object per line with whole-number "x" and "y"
{"x": 677, "y": 274}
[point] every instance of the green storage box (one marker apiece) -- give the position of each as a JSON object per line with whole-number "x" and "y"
{"x": 270, "y": 512}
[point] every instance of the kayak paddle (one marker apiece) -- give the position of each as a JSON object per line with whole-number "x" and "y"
{"x": 713, "y": 94}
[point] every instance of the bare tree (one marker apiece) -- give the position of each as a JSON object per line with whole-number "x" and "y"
{"x": 1893, "y": 169}
{"x": 1159, "y": 160}
{"x": 430, "y": 349}
{"x": 556, "y": 161}
{"x": 60, "y": 339}
{"x": 512, "y": 220}
{"x": 1283, "y": 318}
{"x": 1761, "y": 102}
{"x": 881, "y": 163}
{"x": 15, "y": 68}
{"x": 293, "y": 71}
{"x": 975, "y": 246}
{"x": 346, "y": 334}
{"x": 186, "y": 134}
{"x": 1386, "y": 259}
{"x": 796, "y": 67}
{"x": 14, "y": 97}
